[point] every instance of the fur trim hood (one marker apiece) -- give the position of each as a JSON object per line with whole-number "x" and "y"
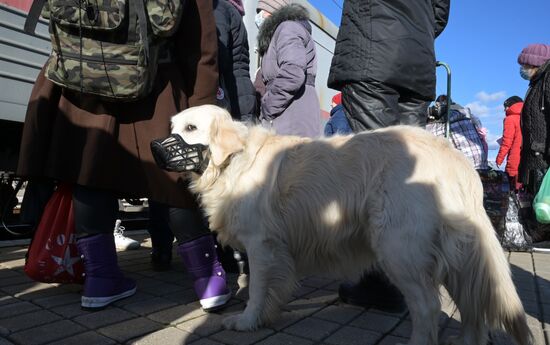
{"x": 293, "y": 12}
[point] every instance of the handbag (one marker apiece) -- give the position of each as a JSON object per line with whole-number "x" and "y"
{"x": 36, "y": 196}
{"x": 541, "y": 202}
{"x": 53, "y": 255}
{"x": 495, "y": 196}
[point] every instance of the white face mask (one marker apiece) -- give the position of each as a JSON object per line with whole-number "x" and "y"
{"x": 259, "y": 19}
{"x": 524, "y": 73}
{"x": 527, "y": 72}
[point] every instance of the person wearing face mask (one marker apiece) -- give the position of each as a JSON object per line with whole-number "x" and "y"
{"x": 534, "y": 63}
{"x": 286, "y": 79}
{"x": 260, "y": 17}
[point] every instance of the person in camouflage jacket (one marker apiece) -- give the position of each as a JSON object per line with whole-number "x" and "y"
{"x": 102, "y": 147}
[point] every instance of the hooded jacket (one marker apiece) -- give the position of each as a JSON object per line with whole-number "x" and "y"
{"x": 290, "y": 104}
{"x": 338, "y": 123}
{"x": 390, "y": 42}
{"x": 234, "y": 62}
{"x": 511, "y": 139}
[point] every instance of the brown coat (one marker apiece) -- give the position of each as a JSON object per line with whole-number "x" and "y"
{"x": 82, "y": 139}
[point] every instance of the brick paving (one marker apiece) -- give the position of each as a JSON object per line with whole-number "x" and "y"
{"x": 165, "y": 310}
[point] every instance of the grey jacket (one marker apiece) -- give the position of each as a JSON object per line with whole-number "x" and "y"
{"x": 290, "y": 104}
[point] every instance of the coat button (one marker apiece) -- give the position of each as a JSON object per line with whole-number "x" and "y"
{"x": 207, "y": 255}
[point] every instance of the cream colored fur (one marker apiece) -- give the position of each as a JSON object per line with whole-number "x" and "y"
{"x": 397, "y": 197}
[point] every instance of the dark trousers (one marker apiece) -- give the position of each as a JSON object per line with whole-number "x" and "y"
{"x": 166, "y": 222}
{"x": 162, "y": 236}
{"x": 371, "y": 105}
{"x": 96, "y": 211}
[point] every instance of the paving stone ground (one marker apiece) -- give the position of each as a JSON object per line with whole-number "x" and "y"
{"x": 165, "y": 310}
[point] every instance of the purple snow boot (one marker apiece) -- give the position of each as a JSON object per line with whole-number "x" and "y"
{"x": 200, "y": 258}
{"x": 104, "y": 283}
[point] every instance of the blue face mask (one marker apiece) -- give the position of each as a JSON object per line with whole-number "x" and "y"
{"x": 525, "y": 72}
{"x": 259, "y": 19}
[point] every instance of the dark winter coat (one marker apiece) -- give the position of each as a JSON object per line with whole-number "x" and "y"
{"x": 535, "y": 123}
{"x": 234, "y": 61}
{"x": 511, "y": 139}
{"x": 83, "y": 139}
{"x": 390, "y": 42}
{"x": 289, "y": 65}
{"x": 338, "y": 123}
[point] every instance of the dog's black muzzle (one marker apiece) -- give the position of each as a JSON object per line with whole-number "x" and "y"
{"x": 174, "y": 154}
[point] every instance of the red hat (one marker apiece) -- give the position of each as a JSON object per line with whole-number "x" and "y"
{"x": 337, "y": 98}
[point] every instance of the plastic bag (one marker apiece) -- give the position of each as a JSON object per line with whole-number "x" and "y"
{"x": 541, "y": 203}
{"x": 53, "y": 256}
{"x": 514, "y": 237}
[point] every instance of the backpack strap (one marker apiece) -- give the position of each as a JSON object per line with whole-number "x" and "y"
{"x": 33, "y": 16}
{"x": 139, "y": 6}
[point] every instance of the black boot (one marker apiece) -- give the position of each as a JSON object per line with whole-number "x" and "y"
{"x": 374, "y": 290}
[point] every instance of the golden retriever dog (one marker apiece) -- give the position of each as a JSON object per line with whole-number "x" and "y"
{"x": 398, "y": 198}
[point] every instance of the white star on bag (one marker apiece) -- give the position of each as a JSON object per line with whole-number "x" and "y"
{"x": 66, "y": 262}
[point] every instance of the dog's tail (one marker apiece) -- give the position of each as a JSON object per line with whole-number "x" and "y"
{"x": 482, "y": 285}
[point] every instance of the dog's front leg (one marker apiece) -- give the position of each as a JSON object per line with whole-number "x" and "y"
{"x": 267, "y": 288}
{"x": 249, "y": 319}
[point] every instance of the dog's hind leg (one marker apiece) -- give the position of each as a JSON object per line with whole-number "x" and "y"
{"x": 421, "y": 295}
{"x": 271, "y": 283}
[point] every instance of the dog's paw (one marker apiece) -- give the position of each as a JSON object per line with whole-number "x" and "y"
{"x": 240, "y": 322}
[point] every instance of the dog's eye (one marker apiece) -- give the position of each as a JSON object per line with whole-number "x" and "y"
{"x": 190, "y": 128}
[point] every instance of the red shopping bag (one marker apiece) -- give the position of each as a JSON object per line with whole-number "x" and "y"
{"x": 53, "y": 256}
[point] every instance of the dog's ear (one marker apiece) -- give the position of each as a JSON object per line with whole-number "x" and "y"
{"x": 226, "y": 139}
